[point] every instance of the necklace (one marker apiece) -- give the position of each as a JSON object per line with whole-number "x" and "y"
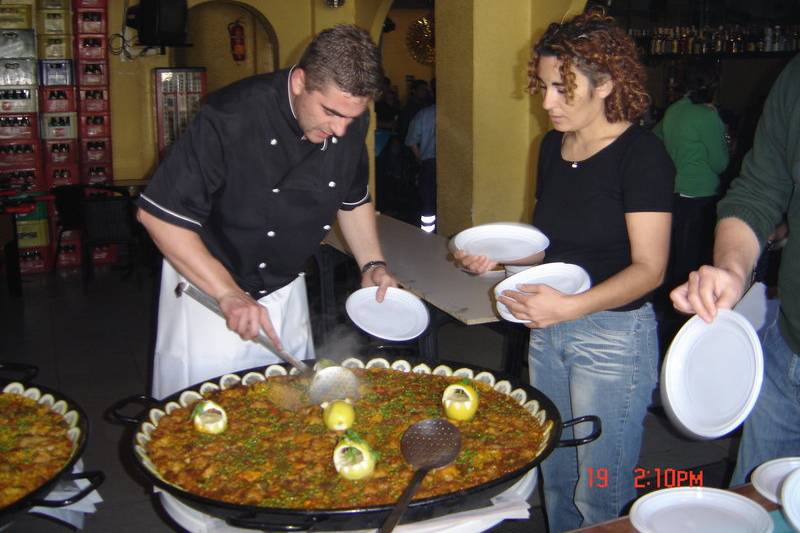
{"x": 574, "y": 164}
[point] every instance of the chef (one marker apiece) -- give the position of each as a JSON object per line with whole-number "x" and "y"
{"x": 246, "y": 195}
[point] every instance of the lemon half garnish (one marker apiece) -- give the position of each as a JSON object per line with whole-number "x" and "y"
{"x": 460, "y": 401}
{"x": 208, "y": 417}
{"x": 353, "y": 460}
{"x": 338, "y": 415}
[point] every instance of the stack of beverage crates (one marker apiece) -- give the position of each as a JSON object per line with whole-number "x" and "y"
{"x": 55, "y": 126}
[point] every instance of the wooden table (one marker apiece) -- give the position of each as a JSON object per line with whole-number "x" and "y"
{"x": 421, "y": 262}
{"x": 623, "y": 525}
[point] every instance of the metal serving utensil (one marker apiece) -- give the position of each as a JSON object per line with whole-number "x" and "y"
{"x": 428, "y": 444}
{"x": 328, "y": 384}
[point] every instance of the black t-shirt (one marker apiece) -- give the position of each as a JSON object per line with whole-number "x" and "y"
{"x": 260, "y": 196}
{"x": 582, "y": 209}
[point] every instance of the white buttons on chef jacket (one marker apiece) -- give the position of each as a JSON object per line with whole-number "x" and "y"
{"x": 331, "y": 184}
{"x": 270, "y": 233}
{"x": 326, "y": 227}
{"x": 276, "y": 190}
{"x": 273, "y": 142}
{"x": 262, "y": 266}
{"x": 334, "y": 140}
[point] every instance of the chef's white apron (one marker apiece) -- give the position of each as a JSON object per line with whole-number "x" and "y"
{"x": 193, "y": 344}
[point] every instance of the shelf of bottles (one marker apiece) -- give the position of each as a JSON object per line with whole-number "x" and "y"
{"x": 727, "y": 40}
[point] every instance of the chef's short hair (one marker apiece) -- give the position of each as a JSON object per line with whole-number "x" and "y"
{"x": 346, "y": 56}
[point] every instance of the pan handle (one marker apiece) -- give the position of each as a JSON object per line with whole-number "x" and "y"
{"x": 115, "y": 414}
{"x": 95, "y": 479}
{"x": 28, "y": 372}
{"x": 597, "y": 428}
{"x": 251, "y": 521}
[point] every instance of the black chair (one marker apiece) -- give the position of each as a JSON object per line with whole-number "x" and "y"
{"x": 103, "y": 214}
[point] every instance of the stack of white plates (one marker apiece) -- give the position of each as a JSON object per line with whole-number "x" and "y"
{"x": 564, "y": 277}
{"x": 712, "y": 375}
{"x": 401, "y": 316}
{"x": 790, "y": 498}
{"x": 501, "y": 242}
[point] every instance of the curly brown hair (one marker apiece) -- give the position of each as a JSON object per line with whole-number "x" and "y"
{"x": 346, "y": 56}
{"x": 601, "y": 50}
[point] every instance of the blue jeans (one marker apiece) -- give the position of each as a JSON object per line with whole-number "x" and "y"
{"x": 605, "y": 364}
{"x": 773, "y": 428}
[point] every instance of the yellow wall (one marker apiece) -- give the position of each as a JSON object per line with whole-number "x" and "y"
{"x": 397, "y": 61}
{"x": 488, "y": 127}
{"x": 208, "y": 33}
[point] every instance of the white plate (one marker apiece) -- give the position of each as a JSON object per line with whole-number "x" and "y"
{"x": 712, "y": 374}
{"x": 400, "y": 317}
{"x": 790, "y": 499}
{"x": 501, "y": 241}
{"x": 698, "y": 509}
{"x": 564, "y": 277}
{"x": 768, "y": 478}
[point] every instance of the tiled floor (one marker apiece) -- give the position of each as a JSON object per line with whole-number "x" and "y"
{"x": 94, "y": 347}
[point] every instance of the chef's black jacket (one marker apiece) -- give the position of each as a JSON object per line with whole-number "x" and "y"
{"x": 259, "y": 195}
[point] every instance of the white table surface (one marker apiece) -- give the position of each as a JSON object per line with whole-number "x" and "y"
{"x": 419, "y": 260}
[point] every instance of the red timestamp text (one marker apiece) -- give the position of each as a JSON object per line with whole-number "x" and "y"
{"x": 662, "y": 478}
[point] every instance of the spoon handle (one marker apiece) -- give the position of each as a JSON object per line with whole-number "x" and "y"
{"x": 209, "y": 303}
{"x": 403, "y": 501}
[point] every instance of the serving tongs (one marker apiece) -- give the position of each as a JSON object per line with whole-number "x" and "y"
{"x": 327, "y": 384}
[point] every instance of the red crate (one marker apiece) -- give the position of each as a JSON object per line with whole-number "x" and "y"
{"x": 57, "y": 99}
{"x": 35, "y": 260}
{"x": 20, "y": 153}
{"x": 80, "y": 4}
{"x": 107, "y": 254}
{"x": 91, "y": 47}
{"x": 95, "y": 125}
{"x": 69, "y": 255}
{"x": 90, "y": 20}
{"x": 22, "y": 179}
{"x": 19, "y": 126}
{"x": 61, "y": 174}
{"x": 96, "y": 150}
{"x": 93, "y": 100}
{"x": 97, "y": 173}
{"x": 92, "y": 73}
{"x": 61, "y": 151}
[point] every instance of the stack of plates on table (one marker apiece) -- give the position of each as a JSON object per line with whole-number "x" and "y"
{"x": 501, "y": 242}
{"x": 712, "y": 375}
{"x": 401, "y": 316}
{"x": 790, "y": 498}
{"x": 564, "y": 277}
{"x": 769, "y": 477}
{"x": 700, "y": 510}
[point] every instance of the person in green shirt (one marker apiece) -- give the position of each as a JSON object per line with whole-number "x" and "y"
{"x": 755, "y": 204}
{"x": 694, "y": 136}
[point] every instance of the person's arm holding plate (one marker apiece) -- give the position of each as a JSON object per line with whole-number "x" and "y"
{"x": 186, "y": 251}
{"x": 711, "y": 288}
{"x": 649, "y": 234}
{"x": 361, "y": 233}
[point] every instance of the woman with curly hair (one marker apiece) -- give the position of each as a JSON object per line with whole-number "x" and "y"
{"x": 604, "y": 198}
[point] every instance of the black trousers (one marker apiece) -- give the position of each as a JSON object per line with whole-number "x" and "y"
{"x": 427, "y": 187}
{"x": 693, "y": 223}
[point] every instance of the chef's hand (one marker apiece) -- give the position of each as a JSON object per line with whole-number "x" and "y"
{"x": 474, "y": 264}
{"x": 539, "y": 305}
{"x": 246, "y": 317}
{"x": 379, "y": 277}
{"x": 708, "y": 290}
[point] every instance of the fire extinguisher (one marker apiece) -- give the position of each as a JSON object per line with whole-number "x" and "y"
{"x": 238, "y": 48}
